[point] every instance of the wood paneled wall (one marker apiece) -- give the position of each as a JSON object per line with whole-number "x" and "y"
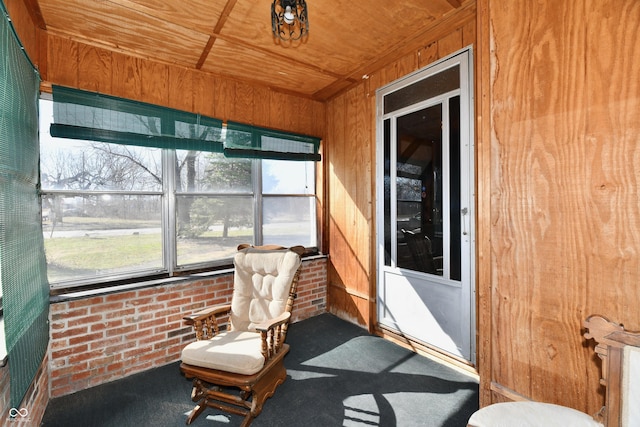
{"x": 560, "y": 189}
{"x": 74, "y": 64}
{"x": 28, "y": 32}
{"x": 350, "y": 162}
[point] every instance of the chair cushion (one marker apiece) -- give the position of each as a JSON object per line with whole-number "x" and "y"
{"x": 262, "y": 282}
{"x": 235, "y": 351}
{"x": 530, "y": 414}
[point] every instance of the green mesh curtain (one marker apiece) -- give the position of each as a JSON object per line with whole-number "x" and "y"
{"x": 25, "y": 291}
{"x": 95, "y": 117}
{"x": 252, "y": 142}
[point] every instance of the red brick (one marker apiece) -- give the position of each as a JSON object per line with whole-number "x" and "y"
{"x": 120, "y": 331}
{"x": 86, "y": 302}
{"x": 69, "y": 314}
{"x": 86, "y": 338}
{"x": 106, "y": 325}
{"x": 57, "y": 325}
{"x": 80, "y": 376}
{"x": 119, "y": 348}
{"x": 150, "y": 307}
{"x": 151, "y": 291}
{"x": 136, "y": 335}
{"x": 139, "y": 318}
{"x": 120, "y": 313}
{"x": 137, "y": 351}
{"x": 104, "y": 361}
{"x": 69, "y": 333}
{"x": 115, "y": 366}
{"x": 169, "y": 296}
{"x": 60, "y": 382}
{"x": 151, "y": 339}
{"x": 83, "y": 357}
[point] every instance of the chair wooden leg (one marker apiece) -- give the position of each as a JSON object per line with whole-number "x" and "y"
{"x": 266, "y": 387}
{"x": 195, "y": 412}
{"x": 248, "y": 404}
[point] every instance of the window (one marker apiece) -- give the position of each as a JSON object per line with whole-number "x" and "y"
{"x": 120, "y": 211}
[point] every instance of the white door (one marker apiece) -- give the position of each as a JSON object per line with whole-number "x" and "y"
{"x": 425, "y": 206}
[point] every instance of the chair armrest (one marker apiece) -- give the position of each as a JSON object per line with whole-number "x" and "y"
{"x": 272, "y": 333}
{"x": 207, "y": 312}
{"x": 205, "y": 322}
{"x": 272, "y": 323}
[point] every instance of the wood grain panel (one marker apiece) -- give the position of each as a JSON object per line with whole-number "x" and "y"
{"x": 536, "y": 162}
{"x": 318, "y": 125}
{"x": 565, "y": 201}
{"x": 224, "y": 99}
{"x": 126, "y": 81}
{"x": 26, "y": 27}
{"x": 158, "y": 83}
{"x": 155, "y": 88}
{"x": 231, "y": 60}
{"x": 429, "y": 33}
{"x": 338, "y": 301}
{"x": 244, "y": 102}
{"x": 122, "y": 28}
{"x": 428, "y": 54}
{"x": 204, "y": 94}
{"x": 364, "y": 171}
{"x": 469, "y": 33}
{"x": 379, "y": 25}
{"x": 449, "y": 44}
{"x": 261, "y": 108}
{"x": 613, "y": 132}
{"x": 406, "y": 65}
{"x": 352, "y": 155}
{"x": 180, "y": 88}
{"x": 483, "y": 154}
{"x": 94, "y": 69}
{"x": 62, "y": 57}
{"x": 200, "y": 15}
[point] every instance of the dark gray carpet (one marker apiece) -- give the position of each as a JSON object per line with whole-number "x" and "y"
{"x": 338, "y": 375}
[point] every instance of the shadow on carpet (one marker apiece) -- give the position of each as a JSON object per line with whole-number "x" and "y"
{"x": 337, "y": 375}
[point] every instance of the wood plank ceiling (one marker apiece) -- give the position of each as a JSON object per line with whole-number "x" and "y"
{"x": 233, "y": 37}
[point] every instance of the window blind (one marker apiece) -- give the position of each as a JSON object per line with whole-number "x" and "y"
{"x": 253, "y": 142}
{"x": 95, "y": 117}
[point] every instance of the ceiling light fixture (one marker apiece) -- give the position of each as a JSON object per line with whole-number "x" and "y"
{"x": 289, "y": 19}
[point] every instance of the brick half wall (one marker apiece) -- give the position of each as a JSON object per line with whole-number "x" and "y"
{"x": 103, "y": 338}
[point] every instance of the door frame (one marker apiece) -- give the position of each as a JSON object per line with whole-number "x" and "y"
{"x": 463, "y": 57}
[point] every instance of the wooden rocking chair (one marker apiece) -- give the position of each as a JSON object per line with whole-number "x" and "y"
{"x": 238, "y": 369}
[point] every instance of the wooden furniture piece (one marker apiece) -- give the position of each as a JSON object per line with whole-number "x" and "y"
{"x": 619, "y": 351}
{"x": 238, "y": 369}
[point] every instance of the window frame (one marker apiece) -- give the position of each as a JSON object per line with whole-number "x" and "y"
{"x": 169, "y": 201}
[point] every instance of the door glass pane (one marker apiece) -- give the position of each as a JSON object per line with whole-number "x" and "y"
{"x": 438, "y": 84}
{"x": 454, "y": 187}
{"x": 387, "y": 192}
{"x": 419, "y": 190}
